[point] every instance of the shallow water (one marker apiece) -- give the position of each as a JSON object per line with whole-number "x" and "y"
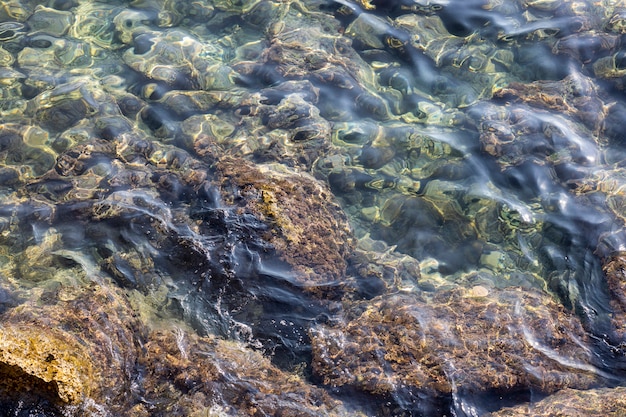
{"x": 476, "y": 147}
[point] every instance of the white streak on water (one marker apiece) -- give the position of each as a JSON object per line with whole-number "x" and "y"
{"x": 180, "y": 342}
{"x": 555, "y": 356}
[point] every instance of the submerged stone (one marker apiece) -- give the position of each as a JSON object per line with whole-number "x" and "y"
{"x": 516, "y": 134}
{"x": 307, "y": 227}
{"x": 96, "y": 179}
{"x": 50, "y": 21}
{"x": 406, "y": 347}
{"x": 380, "y": 269}
{"x": 195, "y": 374}
{"x": 614, "y": 268}
{"x": 86, "y": 350}
{"x": 601, "y": 402}
{"x": 576, "y": 96}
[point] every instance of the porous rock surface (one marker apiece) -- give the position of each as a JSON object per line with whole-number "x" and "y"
{"x": 605, "y": 402}
{"x": 88, "y": 350}
{"x": 463, "y": 341}
{"x": 306, "y": 224}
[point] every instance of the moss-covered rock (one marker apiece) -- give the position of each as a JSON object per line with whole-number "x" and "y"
{"x": 80, "y": 341}
{"x": 190, "y": 373}
{"x": 89, "y": 348}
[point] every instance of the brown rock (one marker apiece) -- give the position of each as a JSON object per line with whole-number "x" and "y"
{"x": 47, "y": 359}
{"x": 192, "y": 372}
{"x": 507, "y": 340}
{"x": 82, "y": 346}
{"x": 86, "y": 348}
{"x": 614, "y": 268}
{"x": 307, "y": 226}
{"x": 604, "y": 402}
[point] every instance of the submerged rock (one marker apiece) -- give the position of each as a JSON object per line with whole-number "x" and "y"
{"x": 603, "y": 402}
{"x": 576, "y": 96}
{"x": 307, "y": 227}
{"x": 96, "y": 181}
{"x": 614, "y": 268}
{"x": 195, "y": 374}
{"x": 408, "y": 348}
{"x": 81, "y": 343}
{"x": 515, "y": 133}
{"x": 92, "y": 349}
{"x": 380, "y": 269}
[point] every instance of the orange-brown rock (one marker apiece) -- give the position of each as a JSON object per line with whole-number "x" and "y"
{"x": 81, "y": 341}
{"x": 189, "y": 373}
{"x": 307, "y": 226}
{"x": 603, "y": 402}
{"x": 614, "y": 268}
{"x": 46, "y": 359}
{"x": 402, "y": 345}
{"x": 87, "y": 348}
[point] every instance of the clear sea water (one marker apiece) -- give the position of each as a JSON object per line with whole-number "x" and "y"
{"x": 483, "y": 139}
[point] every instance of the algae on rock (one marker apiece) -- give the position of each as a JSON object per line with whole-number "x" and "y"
{"x": 455, "y": 342}
{"x": 600, "y": 402}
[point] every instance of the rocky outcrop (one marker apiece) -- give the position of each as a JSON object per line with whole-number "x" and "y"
{"x": 307, "y": 227}
{"x": 403, "y": 345}
{"x": 86, "y": 348}
{"x": 603, "y": 402}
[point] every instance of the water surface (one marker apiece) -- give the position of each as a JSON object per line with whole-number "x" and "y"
{"x": 475, "y": 147}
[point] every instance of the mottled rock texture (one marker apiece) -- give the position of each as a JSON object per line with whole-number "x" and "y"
{"x": 87, "y": 347}
{"x": 306, "y": 225}
{"x": 82, "y": 341}
{"x": 403, "y": 345}
{"x": 603, "y": 402}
